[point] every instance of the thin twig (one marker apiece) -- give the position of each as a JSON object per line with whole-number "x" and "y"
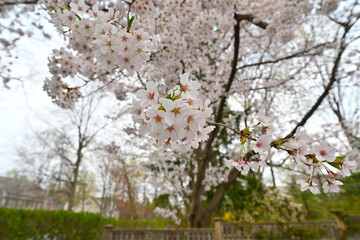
{"x": 231, "y": 128}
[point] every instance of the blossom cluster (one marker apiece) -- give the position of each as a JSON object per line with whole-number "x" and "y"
{"x": 320, "y": 159}
{"x": 61, "y": 93}
{"x": 249, "y": 142}
{"x": 179, "y": 119}
{"x": 98, "y": 43}
{"x": 167, "y": 213}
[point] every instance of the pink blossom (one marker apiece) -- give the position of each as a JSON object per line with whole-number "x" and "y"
{"x": 148, "y": 96}
{"x": 333, "y": 186}
{"x": 346, "y": 166}
{"x": 189, "y": 88}
{"x": 176, "y": 111}
{"x": 262, "y": 144}
{"x": 263, "y": 119}
{"x": 324, "y": 152}
{"x": 308, "y": 185}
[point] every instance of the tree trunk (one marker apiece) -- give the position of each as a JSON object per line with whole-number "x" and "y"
{"x": 75, "y": 177}
{"x": 128, "y": 184}
{"x": 71, "y": 196}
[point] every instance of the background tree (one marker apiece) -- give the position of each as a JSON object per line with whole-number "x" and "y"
{"x": 63, "y": 149}
{"x": 122, "y": 179}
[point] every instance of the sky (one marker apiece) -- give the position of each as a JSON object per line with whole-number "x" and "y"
{"x": 22, "y": 107}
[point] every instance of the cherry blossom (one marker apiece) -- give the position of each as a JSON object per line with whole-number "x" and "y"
{"x": 240, "y": 165}
{"x": 173, "y": 119}
{"x": 156, "y": 119}
{"x": 300, "y": 138}
{"x": 346, "y": 166}
{"x": 256, "y": 164}
{"x": 325, "y": 152}
{"x": 176, "y": 111}
{"x": 262, "y": 144}
{"x": 189, "y": 89}
{"x": 263, "y": 119}
{"x": 332, "y": 186}
{"x": 308, "y": 185}
{"x": 148, "y": 96}
{"x": 137, "y": 110}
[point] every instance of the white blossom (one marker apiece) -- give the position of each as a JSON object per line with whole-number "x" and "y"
{"x": 308, "y": 185}
{"x": 324, "y": 152}
{"x": 346, "y": 166}
{"x": 262, "y": 144}
{"x": 332, "y": 186}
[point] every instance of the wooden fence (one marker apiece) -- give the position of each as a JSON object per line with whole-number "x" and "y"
{"x": 300, "y": 230}
{"x": 159, "y": 234}
{"x": 233, "y": 231}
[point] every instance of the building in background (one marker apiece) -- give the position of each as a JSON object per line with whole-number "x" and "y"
{"x": 24, "y": 194}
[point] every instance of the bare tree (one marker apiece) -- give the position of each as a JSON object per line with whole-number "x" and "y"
{"x": 118, "y": 180}
{"x": 63, "y": 148}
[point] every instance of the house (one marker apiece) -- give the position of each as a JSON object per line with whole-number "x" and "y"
{"x": 21, "y": 194}
{"x": 89, "y": 204}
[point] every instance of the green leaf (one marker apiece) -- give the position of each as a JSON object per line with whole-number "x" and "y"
{"x": 335, "y": 165}
{"x": 279, "y": 142}
{"x": 129, "y": 22}
{"x": 339, "y": 158}
{"x": 161, "y": 108}
{"x": 78, "y": 17}
{"x": 246, "y": 131}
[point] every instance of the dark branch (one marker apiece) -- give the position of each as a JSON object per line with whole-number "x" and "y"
{"x": 295, "y": 55}
{"x": 252, "y": 19}
{"x": 326, "y": 90}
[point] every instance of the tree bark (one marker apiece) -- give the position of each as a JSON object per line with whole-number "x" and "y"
{"x": 129, "y": 189}
{"x": 75, "y": 175}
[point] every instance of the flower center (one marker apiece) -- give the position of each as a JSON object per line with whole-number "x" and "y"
{"x": 176, "y": 110}
{"x": 323, "y": 153}
{"x": 151, "y": 95}
{"x": 158, "y": 118}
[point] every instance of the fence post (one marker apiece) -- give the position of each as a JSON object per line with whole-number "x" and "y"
{"x": 108, "y": 232}
{"x": 218, "y": 229}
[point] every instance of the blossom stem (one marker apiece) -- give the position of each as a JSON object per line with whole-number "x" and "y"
{"x": 232, "y": 129}
{"x": 323, "y": 175}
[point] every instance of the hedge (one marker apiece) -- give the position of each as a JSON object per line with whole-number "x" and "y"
{"x": 18, "y": 224}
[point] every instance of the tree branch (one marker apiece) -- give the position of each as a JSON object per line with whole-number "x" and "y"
{"x": 295, "y": 55}
{"x": 327, "y": 88}
{"x": 251, "y": 18}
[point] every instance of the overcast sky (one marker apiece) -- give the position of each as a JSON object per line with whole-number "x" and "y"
{"x": 25, "y": 104}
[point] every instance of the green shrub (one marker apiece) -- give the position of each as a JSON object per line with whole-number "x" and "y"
{"x": 18, "y": 224}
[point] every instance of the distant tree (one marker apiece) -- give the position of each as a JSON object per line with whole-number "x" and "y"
{"x": 61, "y": 151}
{"x": 121, "y": 179}
{"x": 86, "y": 188}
